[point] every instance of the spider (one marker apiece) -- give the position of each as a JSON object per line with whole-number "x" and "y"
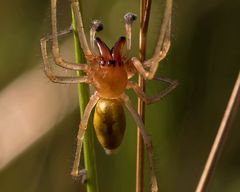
{"x": 109, "y": 71}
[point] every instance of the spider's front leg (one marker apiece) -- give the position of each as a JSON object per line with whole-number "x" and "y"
{"x": 55, "y": 46}
{"x": 80, "y": 137}
{"x": 50, "y": 74}
{"x": 80, "y": 28}
{"x": 56, "y": 53}
{"x": 129, "y": 19}
{"x": 146, "y": 139}
{"x": 161, "y": 49}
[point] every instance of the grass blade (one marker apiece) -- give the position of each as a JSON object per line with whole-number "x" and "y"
{"x": 88, "y": 145}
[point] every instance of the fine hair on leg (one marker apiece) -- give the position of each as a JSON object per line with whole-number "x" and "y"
{"x": 81, "y": 132}
{"x": 146, "y": 139}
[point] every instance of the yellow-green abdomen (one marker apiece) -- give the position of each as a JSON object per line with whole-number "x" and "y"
{"x": 109, "y": 123}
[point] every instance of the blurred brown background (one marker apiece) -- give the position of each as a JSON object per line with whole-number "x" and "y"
{"x": 204, "y": 58}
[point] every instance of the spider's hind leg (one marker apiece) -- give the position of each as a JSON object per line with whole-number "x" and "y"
{"x": 171, "y": 85}
{"x": 147, "y": 141}
{"x": 81, "y": 132}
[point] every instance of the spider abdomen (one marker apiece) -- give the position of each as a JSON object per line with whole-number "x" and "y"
{"x": 109, "y": 123}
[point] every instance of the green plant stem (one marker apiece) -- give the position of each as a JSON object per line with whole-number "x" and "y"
{"x": 88, "y": 145}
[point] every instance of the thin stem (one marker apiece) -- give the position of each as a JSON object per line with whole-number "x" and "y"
{"x": 88, "y": 146}
{"x": 227, "y": 120}
{"x": 144, "y": 19}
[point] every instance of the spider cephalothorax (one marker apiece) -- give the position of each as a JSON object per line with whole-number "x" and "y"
{"x": 110, "y": 79}
{"x": 108, "y": 71}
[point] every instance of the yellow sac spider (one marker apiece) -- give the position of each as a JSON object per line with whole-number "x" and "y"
{"x": 109, "y": 71}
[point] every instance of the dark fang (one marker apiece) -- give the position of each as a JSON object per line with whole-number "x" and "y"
{"x": 103, "y": 50}
{"x": 116, "y": 51}
{"x": 97, "y": 25}
{"x": 130, "y": 18}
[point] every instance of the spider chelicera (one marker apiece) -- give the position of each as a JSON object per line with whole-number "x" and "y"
{"x": 109, "y": 71}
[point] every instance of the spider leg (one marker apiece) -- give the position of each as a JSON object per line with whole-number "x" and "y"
{"x": 62, "y": 63}
{"x": 129, "y": 19}
{"x": 162, "y": 47}
{"x": 80, "y": 137}
{"x": 96, "y": 26}
{"x": 48, "y": 70}
{"x": 55, "y": 46}
{"x": 146, "y": 139}
{"x": 152, "y": 99}
{"x": 60, "y": 34}
{"x": 80, "y": 28}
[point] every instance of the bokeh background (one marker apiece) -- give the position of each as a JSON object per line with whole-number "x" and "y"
{"x": 204, "y": 58}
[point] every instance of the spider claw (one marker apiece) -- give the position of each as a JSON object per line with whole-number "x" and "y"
{"x": 97, "y": 25}
{"x": 80, "y": 175}
{"x": 83, "y": 174}
{"x": 130, "y": 18}
{"x": 70, "y": 28}
{"x": 154, "y": 187}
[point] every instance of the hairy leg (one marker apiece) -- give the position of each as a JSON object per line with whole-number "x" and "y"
{"x": 55, "y": 46}
{"x": 80, "y": 137}
{"x": 152, "y": 99}
{"x": 129, "y": 19}
{"x": 146, "y": 139}
{"x": 80, "y": 28}
{"x": 162, "y": 46}
{"x": 48, "y": 70}
{"x": 96, "y": 26}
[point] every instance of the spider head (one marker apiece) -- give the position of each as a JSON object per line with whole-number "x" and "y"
{"x": 111, "y": 57}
